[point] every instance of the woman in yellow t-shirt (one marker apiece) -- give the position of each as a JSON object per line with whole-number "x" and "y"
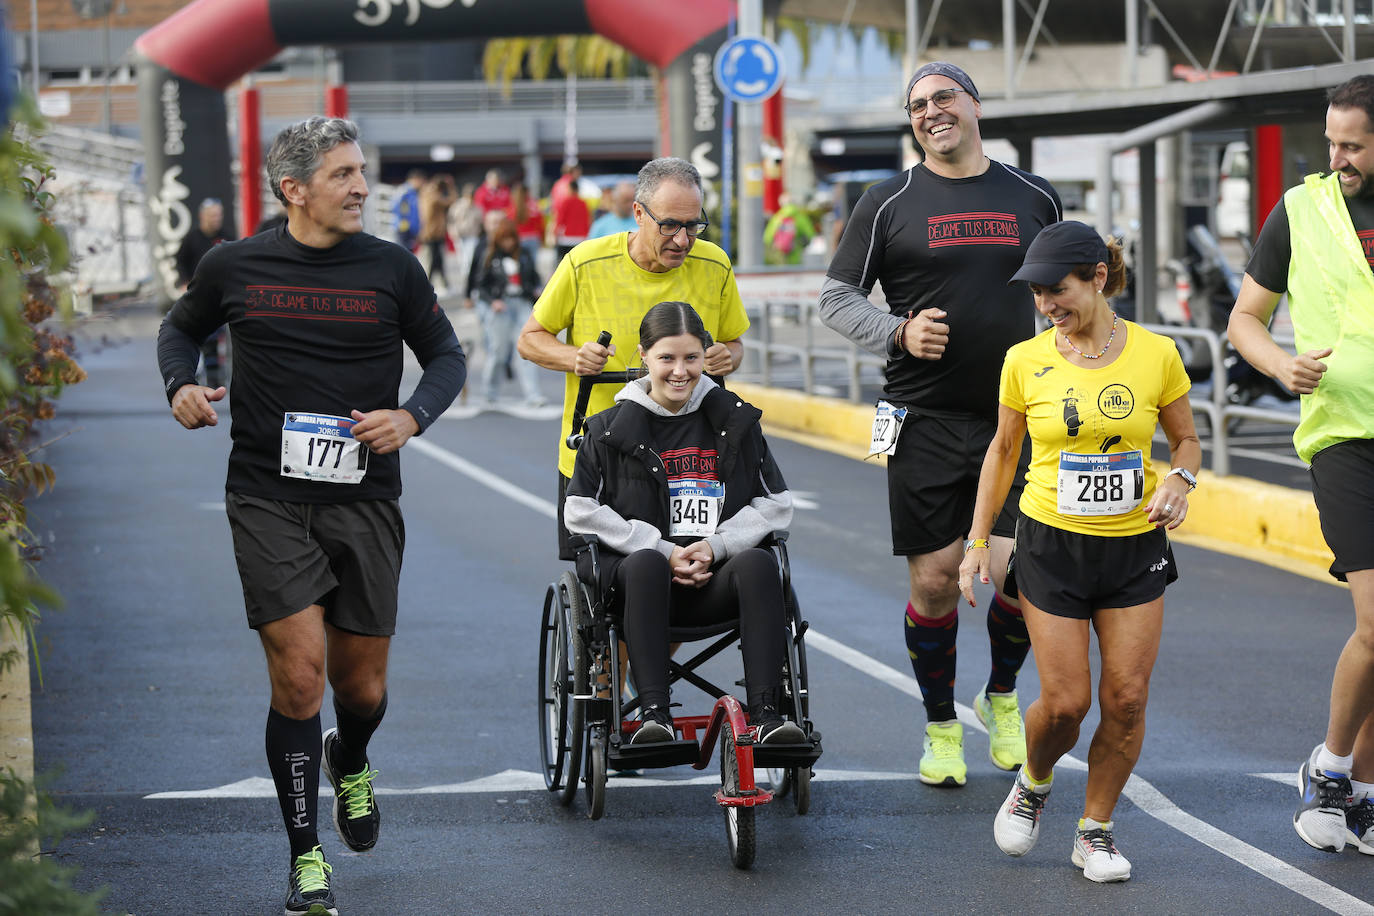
{"x": 1091, "y": 550}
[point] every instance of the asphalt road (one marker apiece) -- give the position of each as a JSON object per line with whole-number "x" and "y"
{"x": 153, "y": 697}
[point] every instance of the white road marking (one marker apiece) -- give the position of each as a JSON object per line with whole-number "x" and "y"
{"x": 1288, "y": 779}
{"x": 482, "y": 476}
{"x": 511, "y": 408}
{"x": 519, "y": 781}
{"x": 211, "y": 507}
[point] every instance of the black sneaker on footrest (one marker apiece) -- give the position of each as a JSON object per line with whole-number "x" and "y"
{"x": 771, "y": 728}
{"x": 656, "y": 727}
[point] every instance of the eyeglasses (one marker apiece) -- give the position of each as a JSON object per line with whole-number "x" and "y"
{"x": 942, "y": 99}
{"x": 671, "y": 227}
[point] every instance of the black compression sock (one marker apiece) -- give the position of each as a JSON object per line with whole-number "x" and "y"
{"x": 293, "y": 756}
{"x": 355, "y": 732}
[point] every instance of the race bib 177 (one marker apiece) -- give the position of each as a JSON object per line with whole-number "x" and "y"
{"x": 321, "y": 447}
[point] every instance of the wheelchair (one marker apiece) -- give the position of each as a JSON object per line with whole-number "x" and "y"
{"x": 585, "y": 725}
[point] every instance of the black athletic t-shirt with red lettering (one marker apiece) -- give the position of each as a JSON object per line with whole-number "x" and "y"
{"x": 318, "y": 332}
{"x": 1268, "y": 263}
{"x": 951, "y": 243}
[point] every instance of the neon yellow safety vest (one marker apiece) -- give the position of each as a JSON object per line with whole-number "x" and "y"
{"x": 1331, "y": 299}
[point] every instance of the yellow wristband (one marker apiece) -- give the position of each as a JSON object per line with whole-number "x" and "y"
{"x": 973, "y": 543}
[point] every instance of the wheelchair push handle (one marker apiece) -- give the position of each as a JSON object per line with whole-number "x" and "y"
{"x": 584, "y": 393}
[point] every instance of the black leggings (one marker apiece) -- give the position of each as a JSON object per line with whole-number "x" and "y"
{"x": 745, "y": 586}
{"x": 436, "y": 259}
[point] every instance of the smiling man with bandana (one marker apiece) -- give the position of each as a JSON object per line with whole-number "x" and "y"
{"x": 943, "y": 238}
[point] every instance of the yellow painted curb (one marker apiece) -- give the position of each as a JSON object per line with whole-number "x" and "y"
{"x": 1236, "y": 515}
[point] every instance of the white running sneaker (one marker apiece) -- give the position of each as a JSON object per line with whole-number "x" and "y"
{"x": 1017, "y": 825}
{"x": 1094, "y": 851}
{"x": 1323, "y": 800}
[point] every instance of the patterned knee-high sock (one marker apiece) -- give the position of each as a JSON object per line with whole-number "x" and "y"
{"x": 931, "y": 644}
{"x": 1009, "y": 641}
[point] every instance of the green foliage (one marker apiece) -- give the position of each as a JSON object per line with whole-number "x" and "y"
{"x": 35, "y": 363}
{"x": 29, "y": 883}
{"x": 35, "y": 360}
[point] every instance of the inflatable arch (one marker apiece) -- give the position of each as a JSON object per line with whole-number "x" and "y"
{"x": 185, "y": 64}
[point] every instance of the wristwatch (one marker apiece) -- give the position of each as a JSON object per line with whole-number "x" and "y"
{"x": 1187, "y": 476}
{"x": 975, "y": 542}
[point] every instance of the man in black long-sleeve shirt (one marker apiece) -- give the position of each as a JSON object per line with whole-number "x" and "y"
{"x": 320, "y": 311}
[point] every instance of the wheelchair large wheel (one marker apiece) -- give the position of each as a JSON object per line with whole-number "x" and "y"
{"x": 739, "y": 821}
{"x": 561, "y": 728}
{"x": 799, "y": 711}
{"x": 596, "y": 774}
{"x": 794, "y": 781}
{"x": 801, "y": 789}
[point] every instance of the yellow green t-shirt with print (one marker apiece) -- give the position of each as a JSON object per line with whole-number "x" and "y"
{"x": 1091, "y": 429}
{"x": 598, "y": 287}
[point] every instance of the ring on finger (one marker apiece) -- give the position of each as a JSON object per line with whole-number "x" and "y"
{"x": 1168, "y": 508}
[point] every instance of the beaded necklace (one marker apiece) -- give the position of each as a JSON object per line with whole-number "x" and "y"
{"x": 1105, "y": 347}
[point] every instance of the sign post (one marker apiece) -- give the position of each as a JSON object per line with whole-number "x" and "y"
{"x": 749, "y": 69}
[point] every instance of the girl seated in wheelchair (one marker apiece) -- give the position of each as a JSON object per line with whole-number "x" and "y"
{"x": 677, "y": 482}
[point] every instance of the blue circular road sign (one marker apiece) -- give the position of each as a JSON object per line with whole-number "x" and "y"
{"x": 748, "y": 69}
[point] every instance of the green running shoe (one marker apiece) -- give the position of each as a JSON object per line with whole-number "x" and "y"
{"x": 942, "y": 763}
{"x": 1001, "y": 714}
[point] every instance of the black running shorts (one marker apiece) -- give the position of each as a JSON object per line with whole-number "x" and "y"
{"x": 932, "y": 483}
{"x": 1069, "y": 574}
{"x": 344, "y": 556}
{"x": 1343, "y": 487}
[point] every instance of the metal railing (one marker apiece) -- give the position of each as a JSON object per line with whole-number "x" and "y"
{"x": 767, "y": 316}
{"x": 461, "y": 97}
{"x": 792, "y": 329}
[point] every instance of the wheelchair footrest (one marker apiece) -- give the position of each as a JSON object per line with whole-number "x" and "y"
{"x": 802, "y": 754}
{"x": 626, "y": 756}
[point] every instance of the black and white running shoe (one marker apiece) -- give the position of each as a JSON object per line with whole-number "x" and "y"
{"x": 355, "y": 804}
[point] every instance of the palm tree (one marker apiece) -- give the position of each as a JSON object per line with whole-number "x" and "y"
{"x": 505, "y": 59}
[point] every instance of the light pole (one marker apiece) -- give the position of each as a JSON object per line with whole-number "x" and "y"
{"x": 89, "y": 9}
{"x": 750, "y": 145}
{"x": 108, "y": 117}
{"x": 33, "y": 38}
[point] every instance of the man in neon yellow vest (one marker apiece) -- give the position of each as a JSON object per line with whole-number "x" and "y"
{"x": 1318, "y": 246}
